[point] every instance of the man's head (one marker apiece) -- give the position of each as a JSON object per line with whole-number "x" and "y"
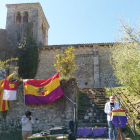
{"x": 112, "y": 98}
{"x": 28, "y": 114}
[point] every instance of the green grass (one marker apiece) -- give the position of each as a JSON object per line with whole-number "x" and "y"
{"x": 14, "y": 135}
{"x": 127, "y": 101}
{"x": 108, "y": 93}
{"x": 130, "y": 110}
{"x": 118, "y": 92}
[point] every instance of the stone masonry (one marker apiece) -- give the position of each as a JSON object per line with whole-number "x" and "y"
{"x": 35, "y": 16}
{"x": 93, "y": 61}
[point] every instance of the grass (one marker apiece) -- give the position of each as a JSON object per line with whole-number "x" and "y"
{"x": 136, "y": 116}
{"x": 130, "y": 110}
{"x": 118, "y": 92}
{"x": 14, "y": 135}
{"x": 108, "y": 93}
{"x": 127, "y": 101}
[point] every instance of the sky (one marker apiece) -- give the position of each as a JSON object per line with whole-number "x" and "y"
{"x": 81, "y": 21}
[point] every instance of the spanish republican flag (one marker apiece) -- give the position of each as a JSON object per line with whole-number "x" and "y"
{"x": 3, "y": 103}
{"x": 119, "y": 118}
{"x": 42, "y": 91}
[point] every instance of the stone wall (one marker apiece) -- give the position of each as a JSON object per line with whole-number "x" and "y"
{"x": 105, "y": 69}
{"x": 46, "y": 59}
{"x": 85, "y": 72}
{"x": 84, "y": 58}
{"x": 57, "y": 113}
{"x": 93, "y": 61}
{"x": 3, "y": 44}
{"x": 42, "y": 37}
{"x": 14, "y": 28}
{"x": 35, "y": 16}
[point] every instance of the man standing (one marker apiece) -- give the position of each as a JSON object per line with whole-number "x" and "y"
{"x": 109, "y": 106}
{"x": 27, "y": 122}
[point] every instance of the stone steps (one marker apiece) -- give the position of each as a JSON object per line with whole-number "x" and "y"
{"x": 92, "y": 108}
{"x": 92, "y": 125}
{"x": 95, "y": 121}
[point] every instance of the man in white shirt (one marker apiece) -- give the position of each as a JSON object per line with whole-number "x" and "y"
{"x": 109, "y": 106}
{"x": 27, "y": 122}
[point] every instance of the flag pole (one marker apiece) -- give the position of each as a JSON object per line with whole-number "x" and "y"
{"x": 74, "y": 103}
{"x": 23, "y": 92}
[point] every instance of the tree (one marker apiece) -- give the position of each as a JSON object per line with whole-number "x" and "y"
{"x": 27, "y": 53}
{"x": 5, "y": 64}
{"x": 126, "y": 57}
{"x": 65, "y": 63}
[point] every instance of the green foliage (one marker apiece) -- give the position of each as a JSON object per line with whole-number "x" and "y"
{"x": 108, "y": 93}
{"x": 118, "y": 93}
{"x": 136, "y": 115}
{"x": 130, "y": 110}
{"x": 107, "y": 90}
{"x": 65, "y": 63}
{"x": 127, "y": 101}
{"x": 125, "y": 59}
{"x": 27, "y": 53}
{"x": 5, "y": 64}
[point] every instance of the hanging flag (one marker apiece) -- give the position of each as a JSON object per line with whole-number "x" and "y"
{"x": 10, "y": 90}
{"x": 3, "y": 103}
{"x": 119, "y": 118}
{"x": 10, "y": 76}
{"x": 42, "y": 91}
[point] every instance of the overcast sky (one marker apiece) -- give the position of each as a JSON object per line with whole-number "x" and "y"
{"x": 81, "y": 21}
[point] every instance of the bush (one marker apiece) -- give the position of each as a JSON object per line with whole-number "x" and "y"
{"x": 65, "y": 63}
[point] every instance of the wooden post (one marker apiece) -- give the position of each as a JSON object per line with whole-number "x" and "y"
{"x": 120, "y": 135}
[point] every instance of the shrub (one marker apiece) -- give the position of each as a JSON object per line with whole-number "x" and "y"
{"x": 65, "y": 63}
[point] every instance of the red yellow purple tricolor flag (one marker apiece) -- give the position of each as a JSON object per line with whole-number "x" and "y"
{"x": 119, "y": 118}
{"x": 42, "y": 91}
{"x": 3, "y": 103}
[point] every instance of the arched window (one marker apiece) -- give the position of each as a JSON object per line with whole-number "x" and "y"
{"x": 25, "y": 16}
{"x": 18, "y": 17}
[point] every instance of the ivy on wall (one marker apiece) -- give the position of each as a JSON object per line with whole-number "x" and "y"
{"x": 27, "y": 53}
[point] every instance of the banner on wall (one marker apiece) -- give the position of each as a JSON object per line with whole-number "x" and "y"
{"x": 42, "y": 91}
{"x": 10, "y": 90}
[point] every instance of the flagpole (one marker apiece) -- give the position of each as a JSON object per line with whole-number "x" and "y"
{"x": 23, "y": 92}
{"x": 74, "y": 103}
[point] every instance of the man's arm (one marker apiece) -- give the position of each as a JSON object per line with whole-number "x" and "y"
{"x": 118, "y": 106}
{"x": 32, "y": 120}
{"x": 106, "y": 110}
{"x": 24, "y": 120}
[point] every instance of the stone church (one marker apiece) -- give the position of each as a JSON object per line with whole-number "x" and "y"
{"x": 93, "y": 58}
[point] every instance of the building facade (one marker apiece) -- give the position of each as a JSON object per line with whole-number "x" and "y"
{"x": 93, "y": 59}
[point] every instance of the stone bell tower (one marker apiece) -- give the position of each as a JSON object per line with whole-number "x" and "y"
{"x": 20, "y": 15}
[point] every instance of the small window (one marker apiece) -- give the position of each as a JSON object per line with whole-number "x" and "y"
{"x": 18, "y": 17}
{"x": 25, "y": 16}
